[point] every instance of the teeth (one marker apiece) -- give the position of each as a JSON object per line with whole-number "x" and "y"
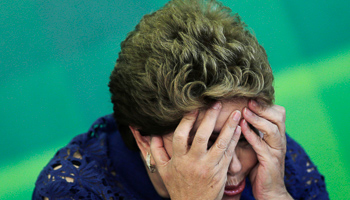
{"x": 233, "y": 183}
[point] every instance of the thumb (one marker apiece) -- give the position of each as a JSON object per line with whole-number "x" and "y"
{"x": 158, "y": 151}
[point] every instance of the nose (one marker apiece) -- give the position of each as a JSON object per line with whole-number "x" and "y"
{"x": 235, "y": 166}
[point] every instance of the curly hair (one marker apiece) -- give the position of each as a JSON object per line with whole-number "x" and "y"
{"x": 185, "y": 56}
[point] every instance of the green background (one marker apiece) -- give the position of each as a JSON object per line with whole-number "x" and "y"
{"x": 56, "y": 57}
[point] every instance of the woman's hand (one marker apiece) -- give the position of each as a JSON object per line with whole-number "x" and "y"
{"x": 195, "y": 172}
{"x": 268, "y": 176}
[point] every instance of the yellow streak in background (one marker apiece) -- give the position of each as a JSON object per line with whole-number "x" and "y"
{"x": 301, "y": 84}
{"x": 20, "y": 177}
{"x": 308, "y": 121}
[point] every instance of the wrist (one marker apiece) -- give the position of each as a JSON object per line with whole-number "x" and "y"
{"x": 283, "y": 195}
{"x": 286, "y": 196}
{"x": 275, "y": 194}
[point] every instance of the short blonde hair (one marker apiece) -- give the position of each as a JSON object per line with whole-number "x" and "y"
{"x": 185, "y": 56}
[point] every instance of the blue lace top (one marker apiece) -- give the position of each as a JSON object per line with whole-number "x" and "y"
{"x": 98, "y": 165}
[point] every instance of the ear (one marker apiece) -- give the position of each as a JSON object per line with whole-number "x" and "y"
{"x": 143, "y": 142}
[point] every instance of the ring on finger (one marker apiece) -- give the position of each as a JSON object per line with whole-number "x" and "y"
{"x": 261, "y": 134}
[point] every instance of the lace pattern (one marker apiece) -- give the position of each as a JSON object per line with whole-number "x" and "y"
{"x": 81, "y": 170}
{"x": 302, "y": 179}
{"x": 84, "y": 170}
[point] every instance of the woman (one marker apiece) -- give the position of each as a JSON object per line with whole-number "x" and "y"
{"x": 193, "y": 105}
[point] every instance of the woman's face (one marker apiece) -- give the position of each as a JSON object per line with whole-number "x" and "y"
{"x": 245, "y": 158}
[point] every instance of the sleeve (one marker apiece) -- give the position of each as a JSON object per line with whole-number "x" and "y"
{"x": 302, "y": 179}
{"x": 68, "y": 176}
{"x": 81, "y": 170}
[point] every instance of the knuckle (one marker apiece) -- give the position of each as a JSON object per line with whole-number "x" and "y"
{"x": 275, "y": 129}
{"x": 282, "y": 111}
{"x": 200, "y": 139}
{"x": 229, "y": 153}
{"x": 283, "y": 118}
{"x": 179, "y": 136}
{"x": 222, "y": 143}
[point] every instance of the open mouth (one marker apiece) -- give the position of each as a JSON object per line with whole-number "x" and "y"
{"x": 235, "y": 189}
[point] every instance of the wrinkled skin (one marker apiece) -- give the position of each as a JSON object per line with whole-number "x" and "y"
{"x": 200, "y": 168}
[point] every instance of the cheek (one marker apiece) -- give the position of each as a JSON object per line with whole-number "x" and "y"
{"x": 247, "y": 157}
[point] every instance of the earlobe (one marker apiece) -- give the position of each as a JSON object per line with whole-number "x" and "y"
{"x": 143, "y": 142}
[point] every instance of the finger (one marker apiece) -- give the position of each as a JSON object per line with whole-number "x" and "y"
{"x": 158, "y": 152}
{"x": 276, "y": 114}
{"x": 257, "y": 142}
{"x": 271, "y": 131}
{"x": 230, "y": 152}
{"x": 205, "y": 130}
{"x": 227, "y": 138}
{"x": 180, "y": 138}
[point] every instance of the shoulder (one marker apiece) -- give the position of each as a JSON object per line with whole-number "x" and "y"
{"x": 82, "y": 169}
{"x": 302, "y": 178}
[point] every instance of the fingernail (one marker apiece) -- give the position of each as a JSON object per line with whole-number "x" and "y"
{"x": 254, "y": 103}
{"x": 244, "y": 123}
{"x": 217, "y": 106}
{"x": 236, "y": 115}
{"x": 248, "y": 112}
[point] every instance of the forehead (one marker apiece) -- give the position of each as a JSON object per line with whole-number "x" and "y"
{"x": 227, "y": 108}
